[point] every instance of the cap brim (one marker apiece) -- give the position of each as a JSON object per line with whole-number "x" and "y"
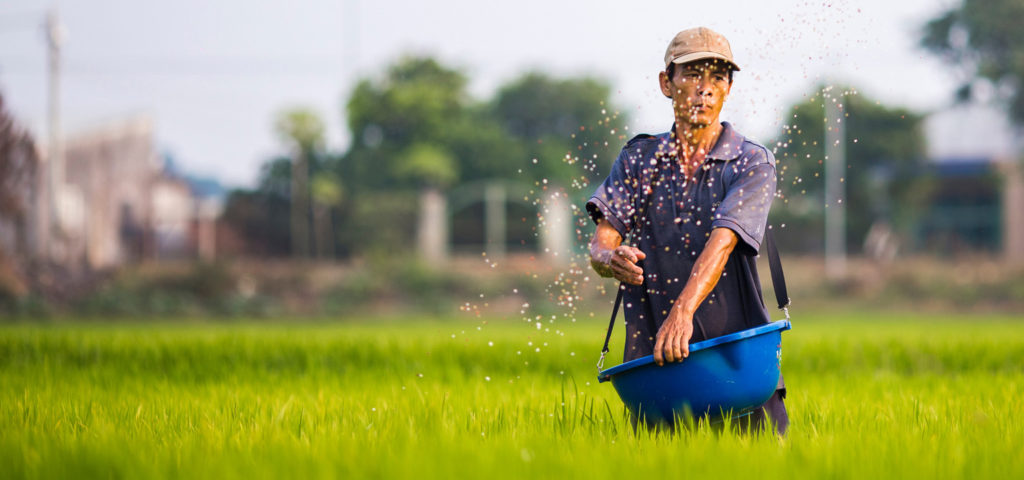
{"x": 690, "y": 57}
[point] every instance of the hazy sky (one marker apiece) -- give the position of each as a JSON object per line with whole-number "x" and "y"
{"x": 213, "y": 73}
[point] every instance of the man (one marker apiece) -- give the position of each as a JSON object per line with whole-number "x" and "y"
{"x": 696, "y": 201}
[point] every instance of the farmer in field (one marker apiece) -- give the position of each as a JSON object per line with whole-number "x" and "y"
{"x": 695, "y": 200}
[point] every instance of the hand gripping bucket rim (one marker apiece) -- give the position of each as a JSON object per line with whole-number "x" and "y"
{"x": 606, "y": 374}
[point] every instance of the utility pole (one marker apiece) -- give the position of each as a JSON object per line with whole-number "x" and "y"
{"x": 432, "y": 232}
{"x": 55, "y": 162}
{"x": 835, "y": 191}
{"x": 300, "y": 205}
{"x": 1013, "y": 203}
{"x": 494, "y": 220}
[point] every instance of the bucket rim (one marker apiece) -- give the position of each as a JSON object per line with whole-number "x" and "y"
{"x": 607, "y": 374}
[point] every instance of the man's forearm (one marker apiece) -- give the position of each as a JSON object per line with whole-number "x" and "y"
{"x": 605, "y": 240}
{"x": 707, "y": 270}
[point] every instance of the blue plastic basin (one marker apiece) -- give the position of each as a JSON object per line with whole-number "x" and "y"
{"x": 734, "y": 374}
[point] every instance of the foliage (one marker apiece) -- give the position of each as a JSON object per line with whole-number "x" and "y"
{"x": 301, "y": 128}
{"x": 563, "y": 123}
{"x": 428, "y": 165}
{"x": 423, "y": 103}
{"x": 419, "y": 105}
{"x": 19, "y": 168}
{"x": 985, "y": 39}
{"x": 442, "y": 399}
{"x": 326, "y": 190}
{"x": 885, "y": 149}
{"x": 380, "y": 223}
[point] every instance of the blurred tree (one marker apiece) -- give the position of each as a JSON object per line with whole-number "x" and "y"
{"x": 262, "y": 216}
{"x": 884, "y": 149}
{"x": 18, "y": 170}
{"x": 303, "y": 131}
{"x": 567, "y": 125}
{"x": 986, "y": 39}
{"x": 481, "y": 147}
{"x": 409, "y": 130}
{"x": 416, "y": 109}
{"x": 301, "y": 128}
{"x": 326, "y": 192}
{"x": 19, "y": 175}
{"x": 427, "y": 165}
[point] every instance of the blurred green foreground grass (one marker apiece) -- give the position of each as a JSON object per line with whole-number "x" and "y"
{"x": 899, "y": 396}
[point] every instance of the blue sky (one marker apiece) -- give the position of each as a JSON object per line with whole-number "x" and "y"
{"x": 213, "y": 74}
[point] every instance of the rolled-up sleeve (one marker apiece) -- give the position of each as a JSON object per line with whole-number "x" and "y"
{"x": 748, "y": 198}
{"x": 614, "y": 199}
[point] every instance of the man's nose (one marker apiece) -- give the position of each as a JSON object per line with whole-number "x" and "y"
{"x": 704, "y": 88}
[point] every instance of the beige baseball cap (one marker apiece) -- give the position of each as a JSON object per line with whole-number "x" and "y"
{"x": 696, "y": 44}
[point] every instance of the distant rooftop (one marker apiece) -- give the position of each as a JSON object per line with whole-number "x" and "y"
{"x": 201, "y": 186}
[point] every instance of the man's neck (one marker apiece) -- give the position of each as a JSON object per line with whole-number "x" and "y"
{"x": 694, "y": 142}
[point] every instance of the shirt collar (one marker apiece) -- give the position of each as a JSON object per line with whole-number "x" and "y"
{"x": 729, "y": 145}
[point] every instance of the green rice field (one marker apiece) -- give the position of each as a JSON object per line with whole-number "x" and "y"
{"x": 870, "y": 395}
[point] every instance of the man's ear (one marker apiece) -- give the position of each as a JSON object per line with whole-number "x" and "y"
{"x": 665, "y": 83}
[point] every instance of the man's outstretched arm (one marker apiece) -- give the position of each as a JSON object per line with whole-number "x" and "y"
{"x": 673, "y": 342}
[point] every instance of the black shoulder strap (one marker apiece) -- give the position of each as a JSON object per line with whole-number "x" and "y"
{"x": 775, "y": 267}
{"x": 611, "y": 325}
{"x": 778, "y": 284}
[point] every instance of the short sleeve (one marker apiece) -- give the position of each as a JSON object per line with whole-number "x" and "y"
{"x": 748, "y": 198}
{"x": 614, "y": 198}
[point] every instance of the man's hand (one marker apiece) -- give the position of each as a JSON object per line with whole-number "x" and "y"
{"x": 610, "y": 258}
{"x": 621, "y": 264}
{"x": 673, "y": 343}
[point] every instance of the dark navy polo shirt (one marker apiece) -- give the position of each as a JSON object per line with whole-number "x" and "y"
{"x": 671, "y": 217}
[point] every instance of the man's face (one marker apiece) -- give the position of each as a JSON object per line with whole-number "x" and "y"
{"x": 698, "y": 90}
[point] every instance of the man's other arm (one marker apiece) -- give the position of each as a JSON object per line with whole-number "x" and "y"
{"x": 610, "y": 258}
